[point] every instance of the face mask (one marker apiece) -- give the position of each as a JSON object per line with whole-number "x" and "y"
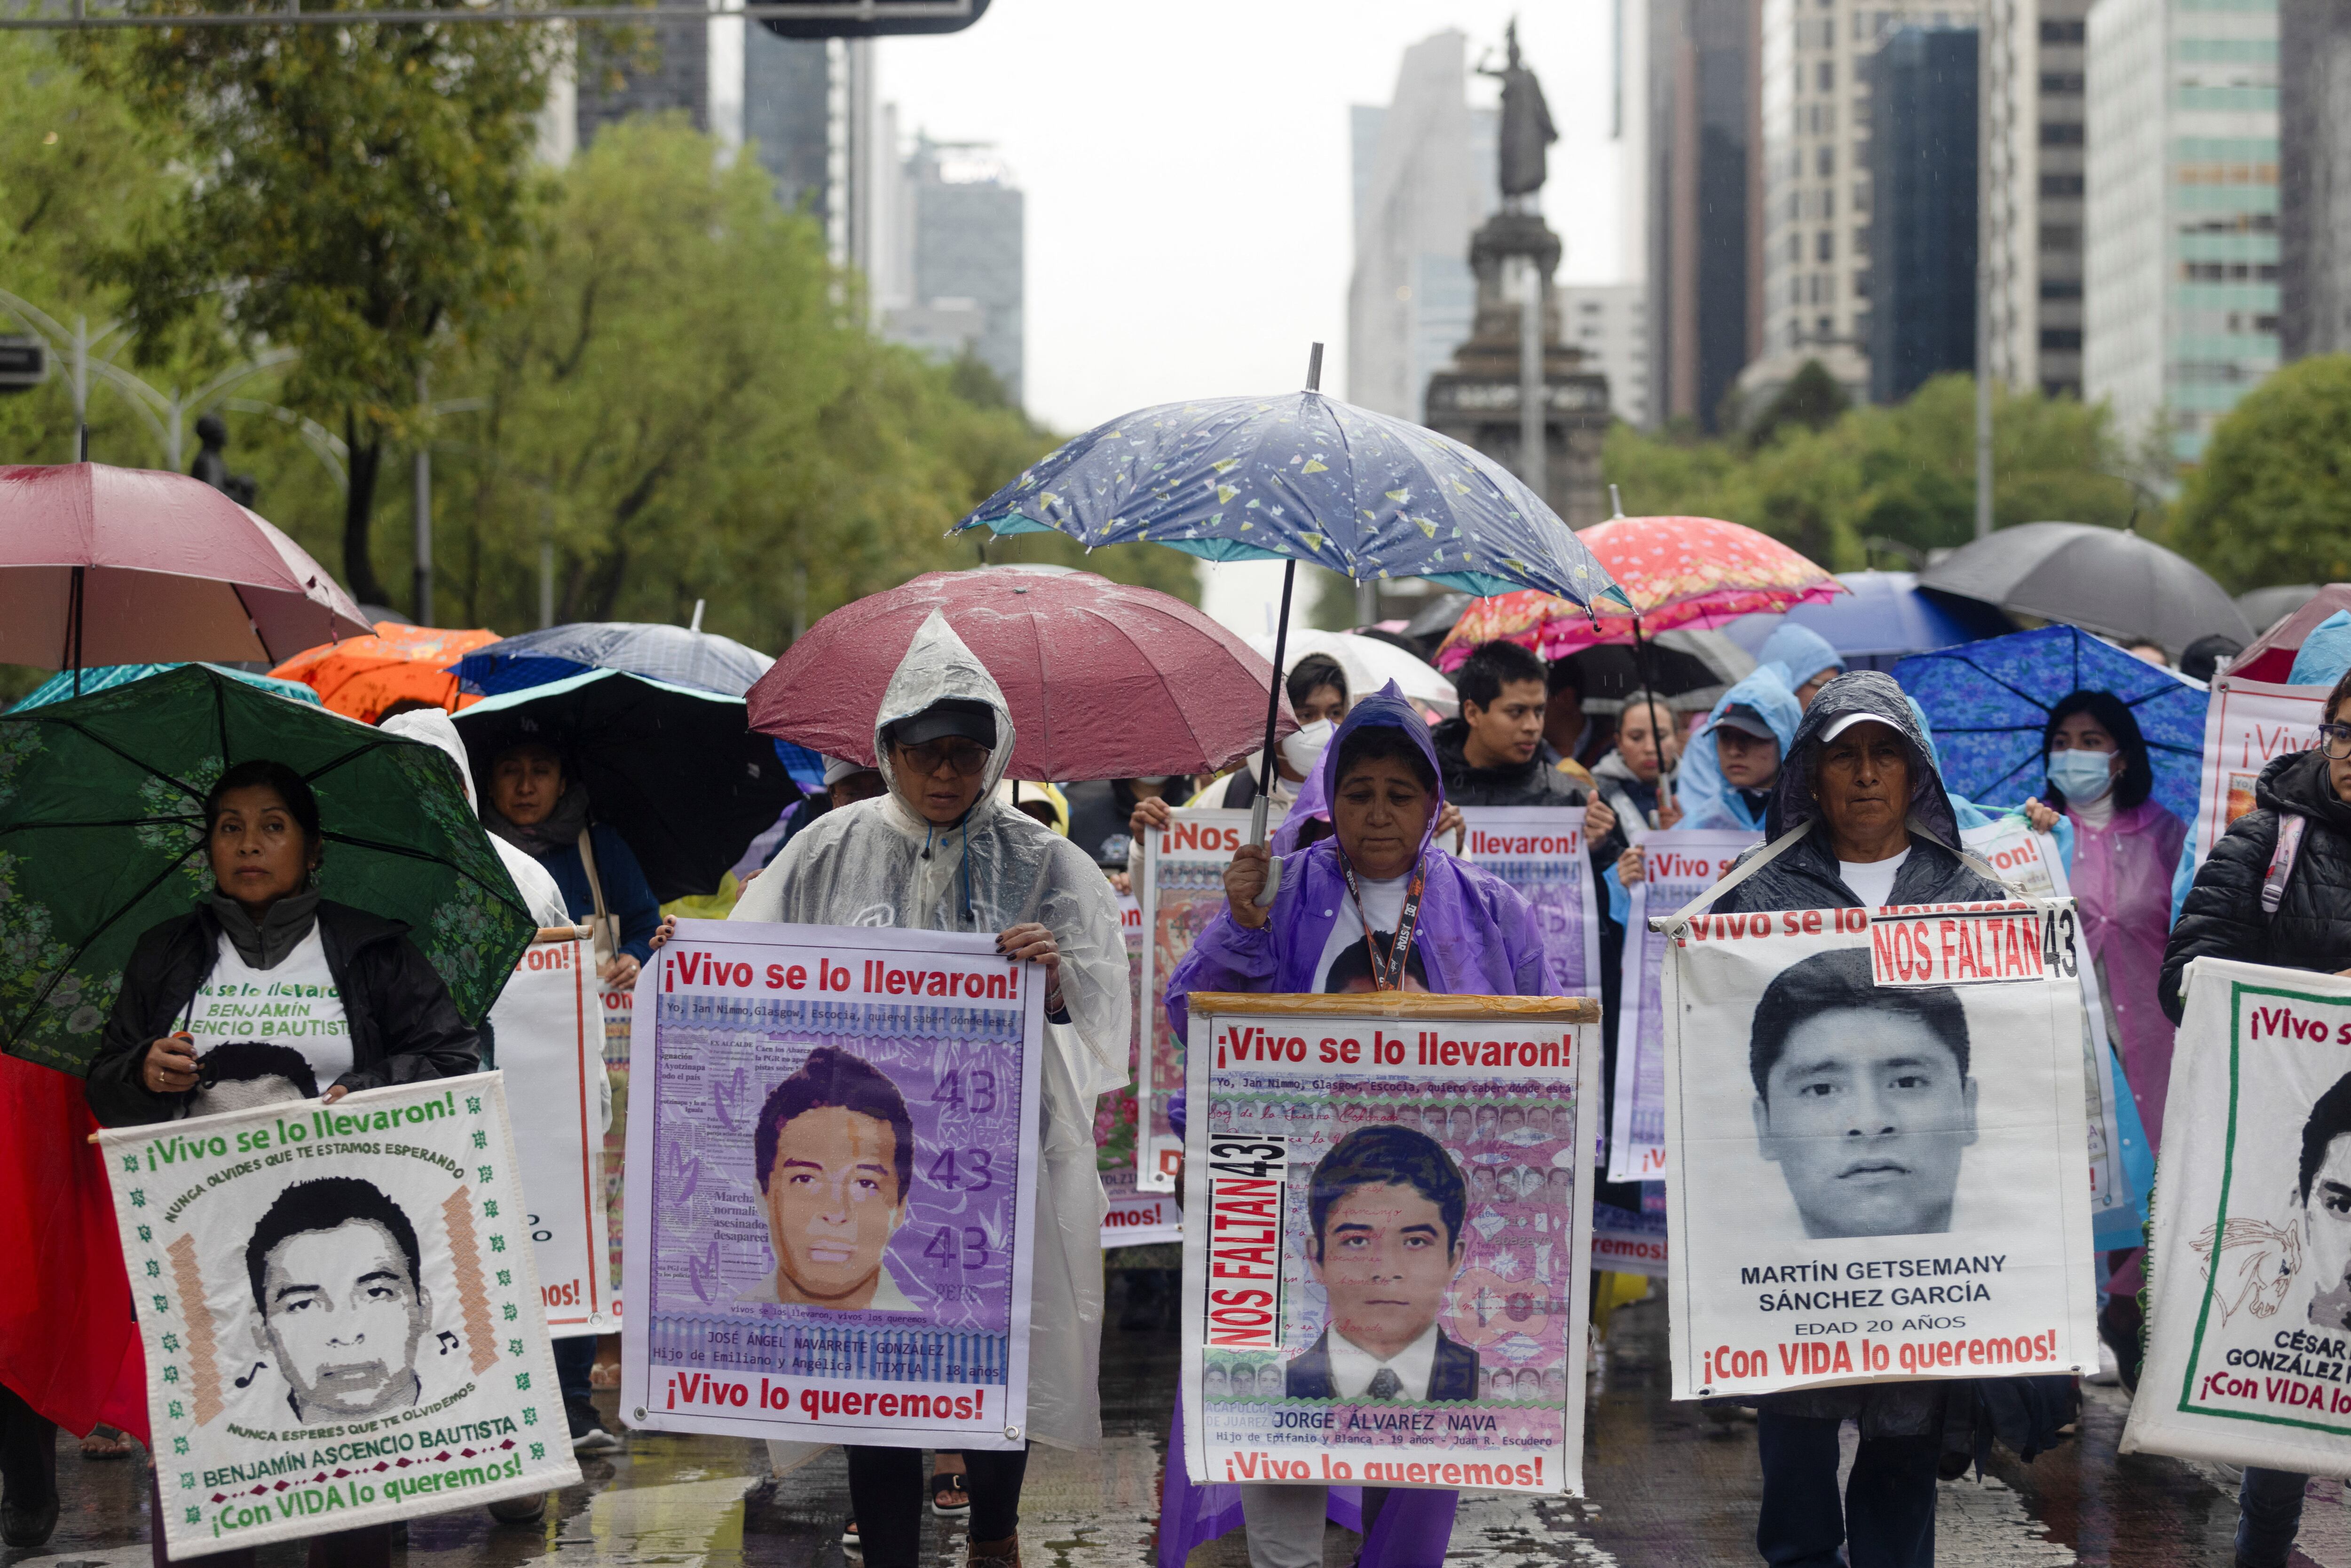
{"x": 2081, "y": 774}
{"x": 1302, "y": 748}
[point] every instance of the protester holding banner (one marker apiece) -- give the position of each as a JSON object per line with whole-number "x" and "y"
{"x": 1377, "y": 906}
{"x": 536, "y": 807}
{"x": 1768, "y": 711}
{"x": 375, "y": 1012}
{"x": 1841, "y": 837}
{"x": 1632, "y": 777}
{"x": 938, "y": 852}
{"x": 1492, "y": 754}
{"x": 2126, "y": 848}
{"x": 2276, "y": 889}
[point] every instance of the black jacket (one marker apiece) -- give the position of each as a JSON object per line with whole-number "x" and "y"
{"x": 403, "y": 1026}
{"x": 2221, "y": 916}
{"x": 1452, "y": 1375}
{"x": 1534, "y": 782}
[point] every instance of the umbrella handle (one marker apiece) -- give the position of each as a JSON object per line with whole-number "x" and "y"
{"x": 1258, "y": 813}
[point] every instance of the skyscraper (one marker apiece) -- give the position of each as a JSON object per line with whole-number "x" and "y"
{"x": 667, "y": 67}
{"x": 2314, "y": 175}
{"x": 1424, "y": 178}
{"x": 1816, "y": 114}
{"x": 1693, "y": 64}
{"x": 1609, "y": 323}
{"x": 2182, "y": 263}
{"x": 1922, "y": 219}
{"x": 786, "y": 115}
{"x": 966, "y": 256}
{"x": 2034, "y": 146}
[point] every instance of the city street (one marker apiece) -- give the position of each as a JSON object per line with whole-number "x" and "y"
{"x": 1668, "y": 1487}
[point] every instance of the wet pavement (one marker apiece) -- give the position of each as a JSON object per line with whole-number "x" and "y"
{"x": 1668, "y": 1486}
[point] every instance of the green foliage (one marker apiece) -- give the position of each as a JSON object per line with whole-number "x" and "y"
{"x": 361, "y": 200}
{"x": 1812, "y": 399}
{"x": 2272, "y": 500}
{"x": 1904, "y": 473}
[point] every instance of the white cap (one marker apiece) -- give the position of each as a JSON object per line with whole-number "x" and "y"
{"x": 837, "y": 768}
{"x": 1838, "y": 726}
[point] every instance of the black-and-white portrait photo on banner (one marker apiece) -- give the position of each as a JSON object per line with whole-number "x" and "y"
{"x": 1877, "y": 1152}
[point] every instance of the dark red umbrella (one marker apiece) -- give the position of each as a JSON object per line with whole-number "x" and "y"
{"x": 126, "y": 566}
{"x": 1104, "y": 680}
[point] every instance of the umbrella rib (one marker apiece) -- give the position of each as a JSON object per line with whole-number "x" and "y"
{"x": 405, "y": 852}
{"x": 77, "y": 726}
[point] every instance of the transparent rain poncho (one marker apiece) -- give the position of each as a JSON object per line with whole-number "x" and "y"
{"x": 880, "y": 863}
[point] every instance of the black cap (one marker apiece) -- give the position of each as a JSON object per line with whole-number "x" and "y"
{"x": 965, "y": 716}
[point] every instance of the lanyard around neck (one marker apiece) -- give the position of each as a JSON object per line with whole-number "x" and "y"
{"x": 1387, "y": 973}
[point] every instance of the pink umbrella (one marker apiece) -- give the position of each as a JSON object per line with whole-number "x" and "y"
{"x": 127, "y": 566}
{"x": 1104, "y": 680}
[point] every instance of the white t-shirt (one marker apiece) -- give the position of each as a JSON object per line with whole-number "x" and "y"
{"x": 1873, "y": 881}
{"x": 295, "y": 1004}
{"x": 1383, "y": 901}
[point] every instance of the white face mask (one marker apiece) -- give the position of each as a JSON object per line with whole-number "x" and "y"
{"x": 1302, "y": 748}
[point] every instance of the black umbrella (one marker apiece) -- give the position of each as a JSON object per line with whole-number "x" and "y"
{"x": 2107, "y": 581}
{"x": 1691, "y": 668}
{"x": 679, "y": 773}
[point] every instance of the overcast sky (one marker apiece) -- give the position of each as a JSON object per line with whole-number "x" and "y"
{"x": 1188, "y": 180}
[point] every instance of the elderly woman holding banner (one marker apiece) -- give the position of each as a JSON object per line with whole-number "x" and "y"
{"x": 1380, "y": 901}
{"x": 939, "y": 852}
{"x": 1859, "y": 819}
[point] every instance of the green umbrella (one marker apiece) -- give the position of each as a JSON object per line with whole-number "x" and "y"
{"x": 102, "y": 836}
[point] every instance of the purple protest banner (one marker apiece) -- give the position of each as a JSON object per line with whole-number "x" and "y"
{"x": 832, "y": 1167}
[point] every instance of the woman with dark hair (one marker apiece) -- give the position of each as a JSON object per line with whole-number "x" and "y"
{"x": 536, "y": 804}
{"x": 1378, "y": 906}
{"x": 2125, "y": 849}
{"x": 376, "y": 1013}
{"x": 1317, "y": 688}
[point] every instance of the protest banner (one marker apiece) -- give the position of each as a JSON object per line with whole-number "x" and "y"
{"x": 1182, "y": 889}
{"x": 1368, "y": 1174}
{"x": 1137, "y": 1218}
{"x": 2249, "y": 724}
{"x": 1631, "y": 1240}
{"x": 551, "y": 1045}
{"x": 1676, "y": 866}
{"x": 832, "y": 1181}
{"x": 1541, "y": 851}
{"x": 1134, "y": 1218}
{"x": 2122, "y": 1168}
{"x": 1875, "y": 1120}
{"x": 2249, "y": 1320}
{"x": 262, "y": 1243}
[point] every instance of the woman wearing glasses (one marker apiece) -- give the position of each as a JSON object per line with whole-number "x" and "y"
{"x": 2276, "y": 889}
{"x": 939, "y": 852}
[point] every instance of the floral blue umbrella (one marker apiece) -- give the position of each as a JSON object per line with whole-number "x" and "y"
{"x": 1300, "y": 477}
{"x": 1988, "y": 703}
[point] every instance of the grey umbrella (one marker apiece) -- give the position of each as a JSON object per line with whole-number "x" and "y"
{"x": 2107, "y": 581}
{"x": 2266, "y": 607}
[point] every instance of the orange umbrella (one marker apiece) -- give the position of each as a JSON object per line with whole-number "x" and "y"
{"x": 361, "y": 677}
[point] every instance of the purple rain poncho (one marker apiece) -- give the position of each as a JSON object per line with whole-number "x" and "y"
{"x": 1476, "y": 935}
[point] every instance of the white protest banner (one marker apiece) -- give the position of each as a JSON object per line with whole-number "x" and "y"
{"x": 2249, "y": 1322}
{"x": 550, "y": 1044}
{"x": 1182, "y": 889}
{"x": 1676, "y": 866}
{"x": 1137, "y": 1218}
{"x": 833, "y": 1164}
{"x": 2032, "y": 863}
{"x": 620, "y": 1009}
{"x": 263, "y": 1244}
{"x": 2249, "y": 724}
{"x": 1366, "y": 1176}
{"x": 1631, "y": 1241}
{"x": 1541, "y": 851}
{"x": 1875, "y": 1120}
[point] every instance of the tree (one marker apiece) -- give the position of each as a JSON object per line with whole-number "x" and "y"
{"x": 2272, "y": 500}
{"x": 1812, "y": 399}
{"x": 363, "y": 201}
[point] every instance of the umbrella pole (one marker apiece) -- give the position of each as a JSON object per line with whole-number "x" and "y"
{"x": 73, "y": 623}
{"x": 1649, "y": 700}
{"x": 1273, "y": 700}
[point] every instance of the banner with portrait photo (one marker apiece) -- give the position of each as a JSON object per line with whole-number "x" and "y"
{"x": 1542, "y": 852}
{"x": 2122, "y": 1168}
{"x": 339, "y": 1312}
{"x": 2249, "y": 1276}
{"x": 1877, "y": 1140}
{"x": 551, "y": 1046}
{"x": 1676, "y": 866}
{"x": 1387, "y": 1239}
{"x": 2247, "y": 725}
{"x": 832, "y": 1188}
{"x": 1182, "y": 888}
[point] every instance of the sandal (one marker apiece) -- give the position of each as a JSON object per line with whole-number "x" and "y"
{"x": 105, "y": 1443}
{"x": 947, "y": 1484}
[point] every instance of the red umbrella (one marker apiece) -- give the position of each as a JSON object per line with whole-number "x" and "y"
{"x": 126, "y": 566}
{"x": 1104, "y": 680}
{"x": 1678, "y": 572}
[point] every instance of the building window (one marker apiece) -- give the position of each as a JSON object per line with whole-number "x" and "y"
{"x": 2062, "y": 133}
{"x": 2060, "y": 237}
{"x": 2061, "y": 288}
{"x": 2063, "y": 32}
{"x": 1860, "y": 241}
{"x": 1825, "y": 329}
{"x": 1825, "y": 75}
{"x": 1825, "y": 247}
{"x": 2062, "y": 338}
{"x": 2061, "y": 184}
{"x": 1861, "y": 284}
{"x": 2061, "y": 81}
{"x": 1824, "y": 162}
{"x": 1860, "y": 196}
